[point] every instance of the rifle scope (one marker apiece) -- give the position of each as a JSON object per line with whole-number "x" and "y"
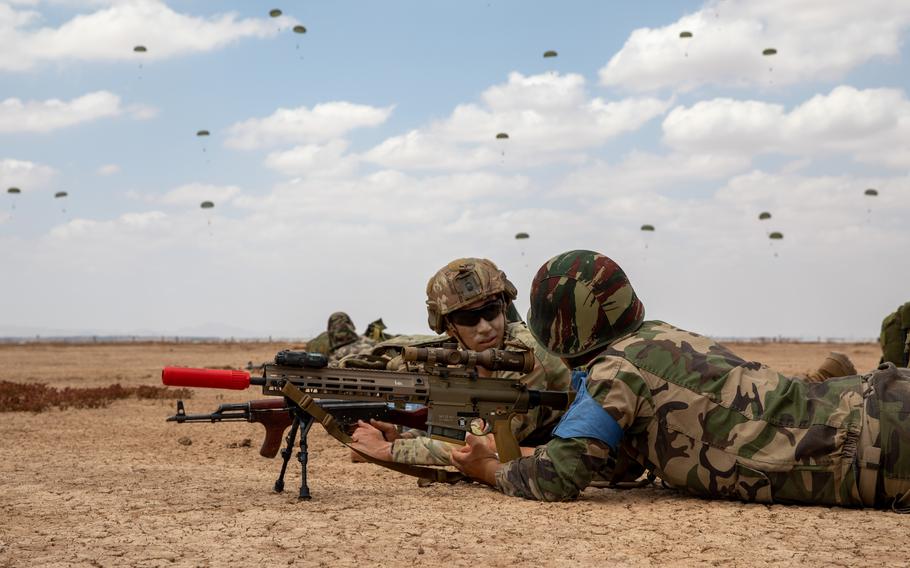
{"x": 490, "y": 359}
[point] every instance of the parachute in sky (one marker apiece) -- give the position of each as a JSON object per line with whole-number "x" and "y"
{"x": 774, "y": 236}
{"x": 768, "y": 52}
{"x": 202, "y": 133}
{"x": 61, "y": 195}
{"x": 647, "y": 230}
{"x": 298, "y": 29}
{"x": 871, "y": 192}
{"x": 13, "y": 191}
{"x": 686, "y": 35}
{"x": 502, "y": 152}
{"x": 206, "y": 205}
{"x": 275, "y": 12}
{"x": 141, "y": 50}
{"x": 519, "y": 236}
{"x": 550, "y": 53}
{"x": 764, "y": 216}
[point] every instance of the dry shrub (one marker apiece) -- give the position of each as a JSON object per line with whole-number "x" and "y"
{"x": 38, "y": 397}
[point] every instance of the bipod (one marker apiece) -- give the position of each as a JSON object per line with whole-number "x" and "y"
{"x": 302, "y": 423}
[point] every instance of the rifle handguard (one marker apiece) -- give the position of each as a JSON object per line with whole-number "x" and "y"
{"x": 205, "y": 378}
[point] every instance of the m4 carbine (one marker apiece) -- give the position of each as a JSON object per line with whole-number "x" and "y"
{"x": 457, "y": 400}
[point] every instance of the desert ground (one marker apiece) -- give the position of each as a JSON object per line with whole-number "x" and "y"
{"x": 115, "y": 487}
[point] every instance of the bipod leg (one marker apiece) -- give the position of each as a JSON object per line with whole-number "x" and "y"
{"x": 287, "y": 452}
{"x": 303, "y": 457}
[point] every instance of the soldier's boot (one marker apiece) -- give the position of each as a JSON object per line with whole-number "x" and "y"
{"x": 835, "y": 365}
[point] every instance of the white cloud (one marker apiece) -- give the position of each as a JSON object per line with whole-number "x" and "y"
{"x": 324, "y": 122}
{"x": 868, "y": 125}
{"x": 27, "y": 176}
{"x": 815, "y": 40}
{"x": 644, "y": 172}
{"x": 45, "y": 116}
{"x": 548, "y": 118}
{"x": 315, "y": 160}
{"x": 110, "y": 33}
{"x": 108, "y": 169}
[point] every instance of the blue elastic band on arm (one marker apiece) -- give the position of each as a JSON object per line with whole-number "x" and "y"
{"x": 587, "y": 419}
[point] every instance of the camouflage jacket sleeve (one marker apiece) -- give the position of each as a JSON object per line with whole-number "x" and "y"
{"x": 560, "y": 470}
{"x": 422, "y": 450}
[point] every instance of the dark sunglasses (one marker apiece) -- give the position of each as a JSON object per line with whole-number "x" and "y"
{"x": 470, "y": 318}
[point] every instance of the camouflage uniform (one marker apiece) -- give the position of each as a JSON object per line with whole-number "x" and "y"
{"x": 340, "y": 339}
{"x": 549, "y": 374}
{"x": 895, "y": 337}
{"x": 704, "y": 420}
{"x": 460, "y": 283}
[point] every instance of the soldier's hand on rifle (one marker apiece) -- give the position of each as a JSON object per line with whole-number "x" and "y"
{"x": 370, "y": 440}
{"x": 477, "y": 459}
{"x": 389, "y": 431}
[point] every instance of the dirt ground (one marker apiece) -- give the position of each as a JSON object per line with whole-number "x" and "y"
{"x": 113, "y": 487}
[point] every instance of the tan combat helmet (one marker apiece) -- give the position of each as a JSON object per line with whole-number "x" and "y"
{"x": 462, "y": 282}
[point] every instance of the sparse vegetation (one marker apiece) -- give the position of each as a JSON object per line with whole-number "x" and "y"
{"x": 38, "y": 397}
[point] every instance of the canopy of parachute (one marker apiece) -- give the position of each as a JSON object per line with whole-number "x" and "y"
{"x": 776, "y": 236}
{"x": 275, "y": 13}
{"x": 502, "y": 136}
{"x": 685, "y": 34}
{"x": 60, "y": 194}
{"x": 550, "y": 53}
{"x": 769, "y": 51}
{"x": 763, "y": 216}
{"x": 140, "y": 49}
{"x": 871, "y": 192}
{"x": 206, "y": 205}
{"x": 298, "y": 29}
{"x": 522, "y": 235}
{"x": 202, "y": 133}
{"x": 14, "y": 190}
{"x": 649, "y": 228}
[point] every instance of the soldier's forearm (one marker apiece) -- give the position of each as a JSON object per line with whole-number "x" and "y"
{"x": 558, "y": 471}
{"x": 422, "y": 450}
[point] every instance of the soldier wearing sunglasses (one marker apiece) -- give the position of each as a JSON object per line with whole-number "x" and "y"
{"x": 470, "y": 299}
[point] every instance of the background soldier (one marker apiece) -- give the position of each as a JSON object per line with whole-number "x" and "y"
{"x": 340, "y": 339}
{"x": 895, "y": 337}
{"x": 691, "y": 411}
{"x": 469, "y": 299}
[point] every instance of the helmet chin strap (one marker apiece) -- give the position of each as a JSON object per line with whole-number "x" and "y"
{"x": 450, "y": 329}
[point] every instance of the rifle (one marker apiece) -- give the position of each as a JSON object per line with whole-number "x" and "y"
{"x": 276, "y": 416}
{"x": 457, "y": 400}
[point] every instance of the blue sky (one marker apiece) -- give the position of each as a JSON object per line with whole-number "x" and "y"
{"x": 347, "y": 164}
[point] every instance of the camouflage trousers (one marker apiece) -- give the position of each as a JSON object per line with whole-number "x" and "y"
{"x": 882, "y": 464}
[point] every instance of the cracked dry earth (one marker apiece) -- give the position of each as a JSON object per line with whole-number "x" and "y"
{"x": 114, "y": 487}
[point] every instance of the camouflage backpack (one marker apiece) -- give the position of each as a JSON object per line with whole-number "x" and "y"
{"x": 895, "y": 337}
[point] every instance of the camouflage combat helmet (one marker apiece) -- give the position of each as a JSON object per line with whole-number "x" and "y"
{"x": 582, "y": 300}
{"x": 462, "y": 282}
{"x": 341, "y": 330}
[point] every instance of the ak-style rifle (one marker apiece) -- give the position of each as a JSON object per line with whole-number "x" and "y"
{"x": 447, "y": 383}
